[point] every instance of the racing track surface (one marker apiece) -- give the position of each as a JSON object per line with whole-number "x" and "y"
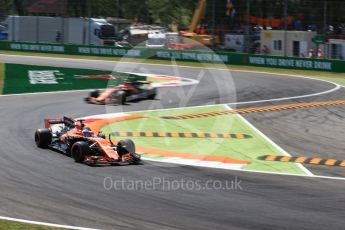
{"x": 45, "y": 186}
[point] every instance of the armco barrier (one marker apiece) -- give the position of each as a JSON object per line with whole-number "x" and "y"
{"x": 181, "y": 55}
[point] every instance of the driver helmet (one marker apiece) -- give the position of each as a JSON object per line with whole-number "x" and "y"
{"x": 78, "y": 125}
{"x": 87, "y": 132}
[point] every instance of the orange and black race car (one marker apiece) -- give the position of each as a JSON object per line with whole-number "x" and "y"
{"x": 121, "y": 94}
{"x": 74, "y": 139}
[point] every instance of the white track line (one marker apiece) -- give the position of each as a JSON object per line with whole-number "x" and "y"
{"x": 337, "y": 87}
{"x": 45, "y": 224}
{"x": 304, "y": 169}
{"x": 260, "y": 172}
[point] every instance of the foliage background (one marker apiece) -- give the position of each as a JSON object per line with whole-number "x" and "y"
{"x": 181, "y": 11}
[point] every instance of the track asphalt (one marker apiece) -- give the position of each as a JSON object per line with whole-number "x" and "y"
{"x": 41, "y": 185}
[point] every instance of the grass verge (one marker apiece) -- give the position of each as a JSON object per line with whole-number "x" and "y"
{"x": 12, "y": 225}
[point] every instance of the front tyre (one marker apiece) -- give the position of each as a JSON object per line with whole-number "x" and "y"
{"x": 121, "y": 96}
{"x": 136, "y": 158}
{"x": 152, "y": 94}
{"x": 79, "y": 151}
{"x": 43, "y": 138}
{"x": 125, "y": 146}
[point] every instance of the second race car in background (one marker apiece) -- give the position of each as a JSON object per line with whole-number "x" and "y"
{"x": 121, "y": 94}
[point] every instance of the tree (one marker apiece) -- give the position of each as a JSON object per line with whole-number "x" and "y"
{"x": 5, "y": 7}
{"x": 77, "y": 8}
{"x": 171, "y": 11}
{"x": 19, "y": 5}
{"x": 135, "y": 9}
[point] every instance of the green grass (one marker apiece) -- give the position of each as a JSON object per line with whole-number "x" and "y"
{"x": 11, "y": 225}
{"x": 338, "y": 80}
{"x": 243, "y": 149}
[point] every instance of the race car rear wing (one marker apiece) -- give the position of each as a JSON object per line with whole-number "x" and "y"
{"x": 69, "y": 122}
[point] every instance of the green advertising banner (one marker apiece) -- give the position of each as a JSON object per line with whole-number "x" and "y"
{"x": 192, "y": 56}
{"x": 2, "y": 77}
{"x": 108, "y": 51}
{"x": 48, "y": 48}
{"x": 182, "y": 55}
{"x": 296, "y": 63}
{"x": 200, "y": 56}
{"x": 4, "y": 45}
{"x": 74, "y": 49}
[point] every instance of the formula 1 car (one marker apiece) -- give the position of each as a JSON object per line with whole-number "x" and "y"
{"x": 128, "y": 91}
{"x": 68, "y": 136}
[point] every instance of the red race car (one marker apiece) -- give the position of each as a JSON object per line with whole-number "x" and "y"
{"x": 74, "y": 139}
{"x": 129, "y": 90}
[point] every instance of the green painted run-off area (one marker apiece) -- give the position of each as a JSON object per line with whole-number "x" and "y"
{"x": 242, "y": 149}
{"x": 28, "y": 79}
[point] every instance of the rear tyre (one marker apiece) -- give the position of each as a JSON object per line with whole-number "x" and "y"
{"x": 95, "y": 93}
{"x": 79, "y": 151}
{"x": 121, "y": 96}
{"x": 43, "y": 138}
{"x": 136, "y": 158}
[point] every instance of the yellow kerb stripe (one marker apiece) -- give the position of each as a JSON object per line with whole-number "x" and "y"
{"x": 123, "y": 134}
{"x": 201, "y": 135}
{"x": 300, "y": 159}
{"x": 136, "y": 134}
{"x": 315, "y": 161}
{"x": 161, "y": 134}
{"x": 240, "y": 136}
{"x": 187, "y": 135}
{"x": 226, "y": 135}
{"x": 270, "y": 158}
{"x": 285, "y": 159}
{"x": 330, "y": 162}
{"x": 213, "y": 135}
{"x": 174, "y": 134}
{"x": 148, "y": 134}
